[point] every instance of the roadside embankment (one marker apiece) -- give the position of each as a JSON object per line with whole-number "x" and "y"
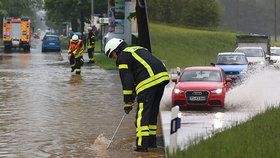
{"x": 184, "y": 47}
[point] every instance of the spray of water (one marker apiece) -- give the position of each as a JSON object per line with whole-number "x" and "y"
{"x": 100, "y": 146}
{"x": 258, "y": 92}
{"x": 166, "y": 100}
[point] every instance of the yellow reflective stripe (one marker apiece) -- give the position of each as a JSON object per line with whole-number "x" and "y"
{"x": 78, "y": 53}
{"x": 140, "y": 134}
{"x": 139, "y": 140}
{"x": 139, "y": 117}
{"x": 153, "y": 127}
{"x": 150, "y": 79}
{"x": 138, "y": 122}
{"x": 152, "y": 133}
{"x": 127, "y": 92}
{"x": 154, "y": 80}
{"x": 138, "y": 58}
{"x": 123, "y": 66}
{"x": 133, "y": 49}
{"x": 72, "y": 65}
{"x": 144, "y": 63}
{"x": 78, "y": 70}
{"x": 166, "y": 78}
{"x": 142, "y": 128}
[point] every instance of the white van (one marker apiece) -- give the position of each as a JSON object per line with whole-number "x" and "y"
{"x": 255, "y": 55}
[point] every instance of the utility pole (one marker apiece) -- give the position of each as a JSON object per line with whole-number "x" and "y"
{"x": 92, "y": 12}
{"x": 275, "y": 22}
{"x": 142, "y": 23}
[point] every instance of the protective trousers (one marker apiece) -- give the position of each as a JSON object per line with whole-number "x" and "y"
{"x": 76, "y": 63}
{"x": 91, "y": 54}
{"x": 146, "y": 116}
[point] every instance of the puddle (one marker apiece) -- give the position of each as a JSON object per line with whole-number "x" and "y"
{"x": 100, "y": 146}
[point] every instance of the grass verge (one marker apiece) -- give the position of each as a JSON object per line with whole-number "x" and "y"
{"x": 184, "y": 47}
{"x": 189, "y": 47}
{"x": 103, "y": 61}
{"x": 257, "y": 138}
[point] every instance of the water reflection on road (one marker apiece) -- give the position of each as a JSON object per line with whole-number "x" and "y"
{"x": 45, "y": 111}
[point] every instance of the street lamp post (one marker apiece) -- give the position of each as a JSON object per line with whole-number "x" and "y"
{"x": 92, "y": 12}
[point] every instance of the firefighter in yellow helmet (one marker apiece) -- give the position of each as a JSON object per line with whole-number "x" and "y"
{"x": 75, "y": 54}
{"x": 144, "y": 76}
{"x": 91, "y": 44}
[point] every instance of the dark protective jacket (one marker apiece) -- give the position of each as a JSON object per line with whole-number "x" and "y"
{"x": 90, "y": 40}
{"x": 139, "y": 70}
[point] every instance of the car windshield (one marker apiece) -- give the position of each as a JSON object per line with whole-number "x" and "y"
{"x": 251, "y": 52}
{"x": 52, "y": 38}
{"x": 275, "y": 52}
{"x": 231, "y": 60}
{"x": 201, "y": 75}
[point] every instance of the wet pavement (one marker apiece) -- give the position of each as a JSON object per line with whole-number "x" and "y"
{"x": 47, "y": 111}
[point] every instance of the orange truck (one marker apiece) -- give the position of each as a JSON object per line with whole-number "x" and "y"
{"x": 16, "y": 33}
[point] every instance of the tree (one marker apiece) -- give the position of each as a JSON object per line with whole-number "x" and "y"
{"x": 197, "y": 13}
{"x": 74, "y": 11}
{"x": 202, "y": 13}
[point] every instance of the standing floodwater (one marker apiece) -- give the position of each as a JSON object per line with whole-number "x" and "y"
{"x": 45, "y": 111}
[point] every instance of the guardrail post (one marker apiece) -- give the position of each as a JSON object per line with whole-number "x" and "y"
{"x": 175, "y": 124}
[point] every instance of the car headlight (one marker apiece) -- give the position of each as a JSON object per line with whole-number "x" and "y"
{"x": 178, "y": 91}
{"x": 217, "y": 91}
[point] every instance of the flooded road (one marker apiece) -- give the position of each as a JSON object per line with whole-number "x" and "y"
{"x": 259, "y": 92}
{"x": 47, "y": 111}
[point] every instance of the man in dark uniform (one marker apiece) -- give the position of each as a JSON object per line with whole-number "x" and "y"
{"x": 146, "y": 76}
{"x": 90, "y": 44}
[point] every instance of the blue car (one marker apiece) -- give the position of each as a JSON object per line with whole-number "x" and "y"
{"x": 51, "y": 43}
{"x": 234, "y": 64}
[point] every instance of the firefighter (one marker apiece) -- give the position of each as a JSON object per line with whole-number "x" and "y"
{"x": 144, "y": 76}
{"x": 75, "y": 54}
{"x": 90, "y": 44}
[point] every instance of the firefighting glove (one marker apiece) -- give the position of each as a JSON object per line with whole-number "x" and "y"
{"x": 127, "y": 107}
{"x": 75, "y": 52}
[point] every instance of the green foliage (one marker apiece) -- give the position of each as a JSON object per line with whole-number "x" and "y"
{"x": 59, "y": 11}
{"x": 19, "y": 8}
{"x": 202, "y": 13}
{"x": 257, "y": 138}
{"x": 197, "y": 13}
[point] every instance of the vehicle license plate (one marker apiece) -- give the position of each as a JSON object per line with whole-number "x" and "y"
{"x": 197, "y": 98}
{"x": 51, "y": 44}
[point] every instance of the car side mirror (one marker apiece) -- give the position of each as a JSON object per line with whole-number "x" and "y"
{"x": 213, "y": 64}
{"x": 174, "y": 79}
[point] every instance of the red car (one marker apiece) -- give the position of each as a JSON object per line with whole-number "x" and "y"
{"x": 200, "y": 86}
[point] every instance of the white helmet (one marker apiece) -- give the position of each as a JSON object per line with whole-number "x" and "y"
{"x": 89, "y": 28}
{"x": 111, "y": 45}
{"x": 75, "y": 38}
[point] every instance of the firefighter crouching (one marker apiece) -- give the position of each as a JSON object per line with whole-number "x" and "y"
{"x": 90, "y": 44}
{"x": 75, "y": 54}
{"x": 144, "y": 74}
